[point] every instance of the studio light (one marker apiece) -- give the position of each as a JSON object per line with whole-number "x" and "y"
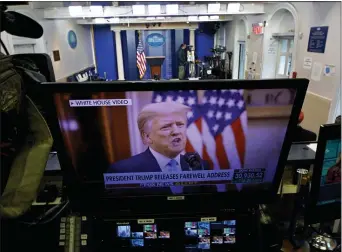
{"x": 214, "y": 8}
{"x": 172, "y": 9}
{"x": 203, "y": 18}
{"x": 150, "y": 18}
{"x": 192, "y": 18}
{"x": 138, "y": 9}
{"x": 96, "y": 10}
{"x": 153, "y": 9}
{"x": 233, "y": 8}
{"x": 75, "y": 11}
{"x": 214, "y": 17}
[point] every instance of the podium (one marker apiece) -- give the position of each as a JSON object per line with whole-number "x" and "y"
{"x": 155, "y": 63}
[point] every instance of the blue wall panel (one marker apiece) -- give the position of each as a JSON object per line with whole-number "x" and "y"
{"x": 105, "y": 51}
{"x": 204, "y": 42}
{"x": 129, "y": 51}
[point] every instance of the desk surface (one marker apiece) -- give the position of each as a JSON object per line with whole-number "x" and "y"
{"x": 302, "y": 152}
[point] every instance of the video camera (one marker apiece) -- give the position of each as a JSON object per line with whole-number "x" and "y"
{"x": 18, "y": 24}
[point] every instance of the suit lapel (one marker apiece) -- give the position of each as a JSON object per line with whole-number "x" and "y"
{"x": 151, "y": 162}
{"x": 184, "y": 164}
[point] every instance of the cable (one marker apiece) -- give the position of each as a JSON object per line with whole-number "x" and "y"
{"x": 40, "y": 219}
{"x": 3, "y": 46}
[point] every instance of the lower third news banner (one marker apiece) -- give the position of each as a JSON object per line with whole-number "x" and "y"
{"x": 185, "y": 178}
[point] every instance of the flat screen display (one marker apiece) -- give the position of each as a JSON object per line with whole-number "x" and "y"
{"x": 330, "y": 184}
{"x": 205, "y": 235}
{"x": 197, "y": 235}
{"x": 141, "y": 235}
{"x": 177, "y": 141}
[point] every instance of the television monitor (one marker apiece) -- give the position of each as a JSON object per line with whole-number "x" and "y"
{"x": 325, "y": 195}
{"x": 223, "y": 142}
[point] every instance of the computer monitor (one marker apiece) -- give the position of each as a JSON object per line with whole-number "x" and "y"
{"x": 218, "y": 141}
{"x": 325, "y": 195}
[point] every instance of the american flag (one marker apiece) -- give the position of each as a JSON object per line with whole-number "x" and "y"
{"x": 217, "y": 124}
{"x": 141, "y": 60}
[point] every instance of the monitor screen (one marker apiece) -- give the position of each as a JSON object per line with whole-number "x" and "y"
{"x": 175, "y": 142}
{"x": 204, "y": 235}
{"x": 330, "y": 184}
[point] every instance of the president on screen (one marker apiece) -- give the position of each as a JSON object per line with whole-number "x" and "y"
{"x": 162, "y": 128}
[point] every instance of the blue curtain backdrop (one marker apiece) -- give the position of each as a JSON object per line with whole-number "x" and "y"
{"x": 105, "y": 51}
{"x": 204, "y": 40}
{"x": 129, "y": 54}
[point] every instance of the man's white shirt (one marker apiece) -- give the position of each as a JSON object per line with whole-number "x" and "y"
{"x": 164, "y": 161}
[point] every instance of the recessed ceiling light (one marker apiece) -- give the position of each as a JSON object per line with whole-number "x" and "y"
{"x": 75, "y": 11}
{"x": 172, "y": 9}
{"x": 213, "y": 8}
{"x": 153, "y": 9}
{"x": 138, "y": 9}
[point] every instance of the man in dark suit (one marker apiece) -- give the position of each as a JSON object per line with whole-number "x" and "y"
{"x": 163, "y": 129}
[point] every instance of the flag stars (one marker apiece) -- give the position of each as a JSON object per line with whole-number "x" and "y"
{"x": 216, "y": 127}
{"x": 158, "y": 99}
{"x": 212, "y": 100}
{"x": 191, "y": 101}
{"x": 169, "y": 98}
{"x": 204, "y": 100}
{"x": 228, "y": 116}
{"x": 221, "y": 102}
{"x": 218, "y": 115}
{"x": 230, "y": 103}
{"x": 240, "y": 104}
{"x": 241, "y": 91}
{"x": 210, "y": 114}
{"x": 190, "y": 114}
{"x": 180, "y": 99}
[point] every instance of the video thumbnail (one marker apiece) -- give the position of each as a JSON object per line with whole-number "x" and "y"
{"x": 191, "y": 232}
{"x": 229, "y": 222}
{"x": 150, "y": 228}
{"x": 190, "y": 224}
{"x": 203, "y": 232}
{"x": 217, "y": 240}
{"x": 164, "y": 234}
{"x": 137, "y": 242}
{"x": 229, "y": 230}
{"x": 137, "y": 235}
{"x": 203, "y": 225}
{"x": 150, "y": 235}
{"x": 124, "y": 231}
{"x": 204, "y": 243}
{"x": 230, "y": 239}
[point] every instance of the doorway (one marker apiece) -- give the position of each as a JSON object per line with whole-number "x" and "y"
{"x": 284, "y": 59}
{"x": 242, "y": 59}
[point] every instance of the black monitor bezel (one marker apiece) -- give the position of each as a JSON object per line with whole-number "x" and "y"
{"x": 92, "y": 191}
{"x": 314, "y": 213}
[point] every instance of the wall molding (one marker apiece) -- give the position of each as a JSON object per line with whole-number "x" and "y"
{"x": 289, "y": 7}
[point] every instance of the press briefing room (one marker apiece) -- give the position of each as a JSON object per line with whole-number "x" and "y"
{"x": 170, "y": 126}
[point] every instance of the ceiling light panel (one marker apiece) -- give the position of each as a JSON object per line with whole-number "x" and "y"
{"x": 214, "y": 8}
{"x": 172, "y": 9}
{"x": 75, "y": 11}
{"x": 138, "y": 9}
{"x": 154, "y": 9}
